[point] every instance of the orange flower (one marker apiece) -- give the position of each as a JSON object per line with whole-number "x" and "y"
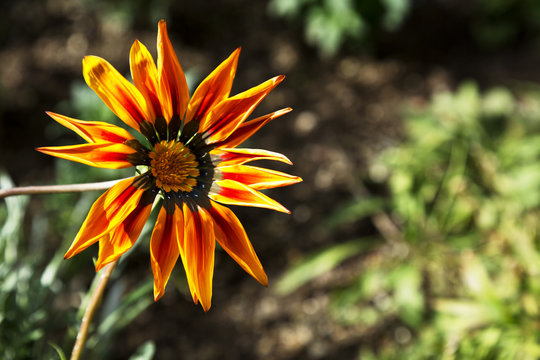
{"x": 191, "y": 160}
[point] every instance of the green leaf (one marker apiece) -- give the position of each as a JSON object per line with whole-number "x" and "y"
{"x": 355, "y": 211}
{"x": 319, "y": 263}
{"x": 407, "y": 284}
{"x": 58, "y": 350}
{"x": 10, "y": 231}
{"x": 128, "y": 309}
{"x": 145, "y": 352}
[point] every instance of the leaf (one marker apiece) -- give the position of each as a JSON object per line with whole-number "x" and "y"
{"x": 10, "y": 231}
{"x": 354, "y": 211}
{"x": 319, "y": 263}
{"x": 127, "y": 310}
{"x": 407, "y": 283}
{"x": 145, "y": 352}
{"x": 58, "y": 350}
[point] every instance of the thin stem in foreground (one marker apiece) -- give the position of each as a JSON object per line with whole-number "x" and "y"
{"x": 104, "y": 276}
{"x": 53, "y": 189}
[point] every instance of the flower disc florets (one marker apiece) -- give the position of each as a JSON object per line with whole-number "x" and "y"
{"x": 178, "y": 161}
{"x": 174, "y": 166}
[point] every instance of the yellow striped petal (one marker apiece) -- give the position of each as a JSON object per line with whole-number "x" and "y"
{"x": 236, "y": 156}
{"x": 145, "y": 75}
{"x": 174, "y": 89}
{"x": 199, "y": 247}
{"x": 214, "y": 88}
{"x": 232, "y": 237}
{"x": 121, "y": 96}
{"x": 164, "y": 250}
{"x": 232, "y": 192}
{"x": 226, "y": 116}
{"x": 102, "y": 155}
{"x": 248, "y": 128}
{"x": 256, "y": 177}
{"x": 108, "y": 212}
{"x": 93, "y": 131}
{"x": 124, "y": 236}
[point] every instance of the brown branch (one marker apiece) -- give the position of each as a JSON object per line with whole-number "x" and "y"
{"x": 104, "y": 276}
{"x": 54, "y": 189}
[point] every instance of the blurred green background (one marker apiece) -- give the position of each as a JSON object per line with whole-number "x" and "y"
{"x": 416, "y": 129}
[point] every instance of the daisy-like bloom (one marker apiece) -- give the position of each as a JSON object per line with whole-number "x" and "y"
{"x": 189, "y": 158}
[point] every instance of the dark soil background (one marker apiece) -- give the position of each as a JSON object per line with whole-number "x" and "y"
{"x": 346, "y": 109}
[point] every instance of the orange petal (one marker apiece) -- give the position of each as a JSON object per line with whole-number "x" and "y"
{"x": 164, "y": 250}
{"x": 233, "y": 239}
{"x": 145, "y": 75}
{"x": 121, "y": 96}
{"x": 122, "y": 238}
{"x": 226, "y": 116}
{"x": 199, "y": 246}
{"x": 248, "y": 128}
{"x": 257, "y": 178}
{"x": 214, "y": 88}
{"x": 93, "y": 131}
{"x": 180, "y": 239}
{"x": 174, "y": 89}
{"x": 108, "y": 212}
{"x": 231, "y": 192}
{"x": 103, "y": 155}
{"x": 227, "y": 156}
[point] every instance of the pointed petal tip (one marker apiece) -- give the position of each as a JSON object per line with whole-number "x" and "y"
{"x": 278, "y": 207}
{"x": 162, "y": 26}
{"x": 87, "y": 58}
{"x": 68, "y": 254}
{"x": 157, "y": 294}
{"x": 136, "y": 45}
{"x": 286, "y": 110}
{"x": 287, "y": 161}
{"x": 236, "y": 53}
{"x": 263, "y": 280}
{"x": 280, "y": 112}
{"x": 100, "y": 265}
{"x": 205, "y": 307}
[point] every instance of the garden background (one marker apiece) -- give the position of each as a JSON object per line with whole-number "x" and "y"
{"x": 416, "y": 129}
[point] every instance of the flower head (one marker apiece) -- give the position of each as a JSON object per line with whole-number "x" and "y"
{"x": 190, "y": 159}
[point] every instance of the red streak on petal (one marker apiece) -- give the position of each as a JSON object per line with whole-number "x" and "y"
{"x": 242, "y": 196}
{"x": 110, "y": 156}
{"x": 129, "y": 106}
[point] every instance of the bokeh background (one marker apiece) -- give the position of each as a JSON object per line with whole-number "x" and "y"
{"x": 416, "y": 129}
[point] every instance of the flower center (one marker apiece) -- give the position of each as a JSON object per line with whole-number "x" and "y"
{"x": 174, "y": 166}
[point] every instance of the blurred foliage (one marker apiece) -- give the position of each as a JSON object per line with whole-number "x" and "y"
{"x": 499, "y": 23}
{"x": 462, "y": 279}
{"x": 329, "y": 23}
{"x": 318, "y": 264}
{"x": 126, "y": 13}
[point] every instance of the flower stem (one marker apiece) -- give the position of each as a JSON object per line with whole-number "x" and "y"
{"x": 104, "y": 276}
{"x": 52, "y": 189}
